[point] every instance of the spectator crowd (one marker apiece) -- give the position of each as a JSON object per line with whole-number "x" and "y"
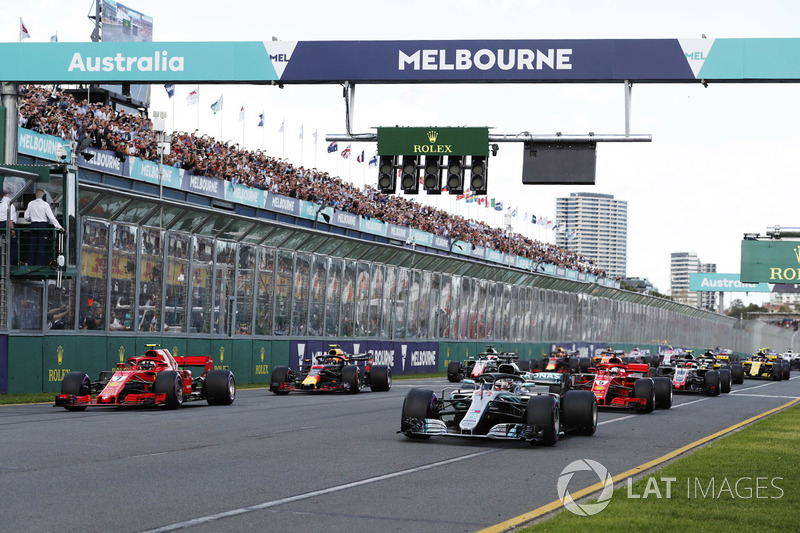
{"x": 51, "y": 111}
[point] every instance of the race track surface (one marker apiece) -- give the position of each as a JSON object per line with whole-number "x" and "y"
{"x": 333, "y": 462}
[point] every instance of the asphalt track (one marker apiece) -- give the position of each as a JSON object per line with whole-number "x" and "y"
{"x": 308, "y": 461}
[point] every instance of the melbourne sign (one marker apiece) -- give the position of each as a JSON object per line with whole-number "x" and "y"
{"x": 713, "y": 282}
{"x": 433, "y": 141}
{"x": 770, "y": 261}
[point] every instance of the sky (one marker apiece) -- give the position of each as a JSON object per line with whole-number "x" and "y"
{"x": 722, "y": 161}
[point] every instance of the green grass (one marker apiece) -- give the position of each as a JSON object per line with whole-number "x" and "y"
{"x": 769, "y": 448}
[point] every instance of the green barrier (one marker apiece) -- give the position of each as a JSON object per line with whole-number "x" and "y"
{"x": 25, "y": 369}
{"x": 262, "y": 362}
{"x": 241, "y": 363}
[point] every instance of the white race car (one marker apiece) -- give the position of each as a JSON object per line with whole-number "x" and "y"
{"x": 532, "y": 407}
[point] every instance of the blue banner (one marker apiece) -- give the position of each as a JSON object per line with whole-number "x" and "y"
{"x": 203, "y": 185}
{"x": 400, "y": 233}
{"x": 43, "y": 146}
{"x": 103, "y": 161}
{"x": 282, "y": 204}
{"x": 402, "y": 357}
{"x": 345, "y": 219}
{"x": 148, "y": 171}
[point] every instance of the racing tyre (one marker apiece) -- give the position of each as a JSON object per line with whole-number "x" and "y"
{"x": 737, "y": 374}
{"x": 574, "y": 364}
{"x": 777, "y": 372}
{"x": 712, "y": 380}
{"x": 787, "y": 369}
{"x": 645, "y": 390}
{"x": 583, "y": 364}
{"x": 76, "y": 384}
{"x": 380, "y": 378}
{"x": 524, "y": 366}
{"x": 220, "y": 387}
{"x": 454, "y": 372}
{"x": 418, "y": 404}
{"x": 663, "y": 390}
{"x": 350, "y": 379}
{"x": 280, "y": 374}
{"x": 580, "y": 412}
{"x": 542, "y": 411}
{"x": 724, "y": 380}
{"x": 170, "y": 383}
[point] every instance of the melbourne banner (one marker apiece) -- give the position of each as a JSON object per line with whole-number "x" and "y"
{"x": 402, "y": 357}
{"x": 545, "y": 60}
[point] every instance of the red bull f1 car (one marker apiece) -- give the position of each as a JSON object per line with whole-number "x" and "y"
{"x": 333, "y": 371}
{"x": 156, "y": 378}
{"x": 501, "y": 406}
{"x": 562, "y": 361}
{"x": 489, "y": 361}
{"x": 625, "y": 386}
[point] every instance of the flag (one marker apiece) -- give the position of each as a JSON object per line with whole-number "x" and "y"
{"x": 360, "y": 157}
{"x": 193, "y": 97}
{"x": 498, "y": 206}
{"x": 550, "y": 224}
{"x": 346, "y": 152}
{"x": 333, "y": 147}
{"x": 170, "y": 88}
{"x": 374, "y": 161}
{"x": 513, "y": 212}
{"x": 315, "y": 137}
{"x": 542, "y": 221}
{"x": 241, "y": 114}
{"x": 260, "y": 121}
{"x": 217, "y": 106}
{"x": 54, "y": 38}
{"x": 301, "y": 132}
{"x": 23, "y": 31}
{"x": 283, "y": 123}
{"x": 533, "y": 219}
{"x": 570, "y": 234}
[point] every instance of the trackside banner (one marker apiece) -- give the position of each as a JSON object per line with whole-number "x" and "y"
{"x": 402, "y": 357}
{"x": 556, "y": 60}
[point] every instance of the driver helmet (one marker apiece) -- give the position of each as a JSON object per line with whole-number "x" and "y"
{"x": 614, "y": 371}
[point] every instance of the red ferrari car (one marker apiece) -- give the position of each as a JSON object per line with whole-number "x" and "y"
{"x": 156, "y": 378}
{"x": 625, "y": 386}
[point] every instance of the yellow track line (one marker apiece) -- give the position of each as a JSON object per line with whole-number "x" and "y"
{"x": 554, "y": 505}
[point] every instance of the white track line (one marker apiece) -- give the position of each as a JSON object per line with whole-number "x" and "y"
{"x": 313, "y": 494}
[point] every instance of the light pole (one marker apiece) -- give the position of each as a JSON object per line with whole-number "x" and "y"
{"x": 164, "y": 140}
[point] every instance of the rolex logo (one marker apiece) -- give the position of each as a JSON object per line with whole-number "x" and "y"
{"x": 797, "y": 253}
{"x": 432, "y": 135}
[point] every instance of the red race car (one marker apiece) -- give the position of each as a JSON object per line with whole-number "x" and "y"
{"x": 156, "y": 378}
{"x": 625, "y": 386}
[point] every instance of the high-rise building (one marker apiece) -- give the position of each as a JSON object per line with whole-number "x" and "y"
{"x": 681, "y": 265}
{"x": 595, "y": 226}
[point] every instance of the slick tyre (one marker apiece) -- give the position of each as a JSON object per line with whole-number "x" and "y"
{"x": 574, "y": 364}
{"x": 580, "y": 412}
{"x": 220, "y": 387}
{"x": 418, "y": 404}
{"x": 737, "y": 374}
{"x": 712, "y": 382}
{"x": 76, "y": 384}
{"x": 380, "y": 378}
{"x": 583, "y": 364}
{"x": 454, "y": 372}
{"x": 169, "y": 383}
{"x": 280, "y": 374}
{"x": 725, "y": 380}
{"x": 524, "y": 366}
{"x": 787, "y": 369}
{"x": 351, "y": 379}
{"x": 644, "y": 389}
{"x": 542, "y": 412}
{"x": 663, "y": 390}
{"x": 777, "y": 372}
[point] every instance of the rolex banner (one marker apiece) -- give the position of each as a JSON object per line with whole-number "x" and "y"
{"x": 433, "y": 141}
{"x": 770, "y": 261}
